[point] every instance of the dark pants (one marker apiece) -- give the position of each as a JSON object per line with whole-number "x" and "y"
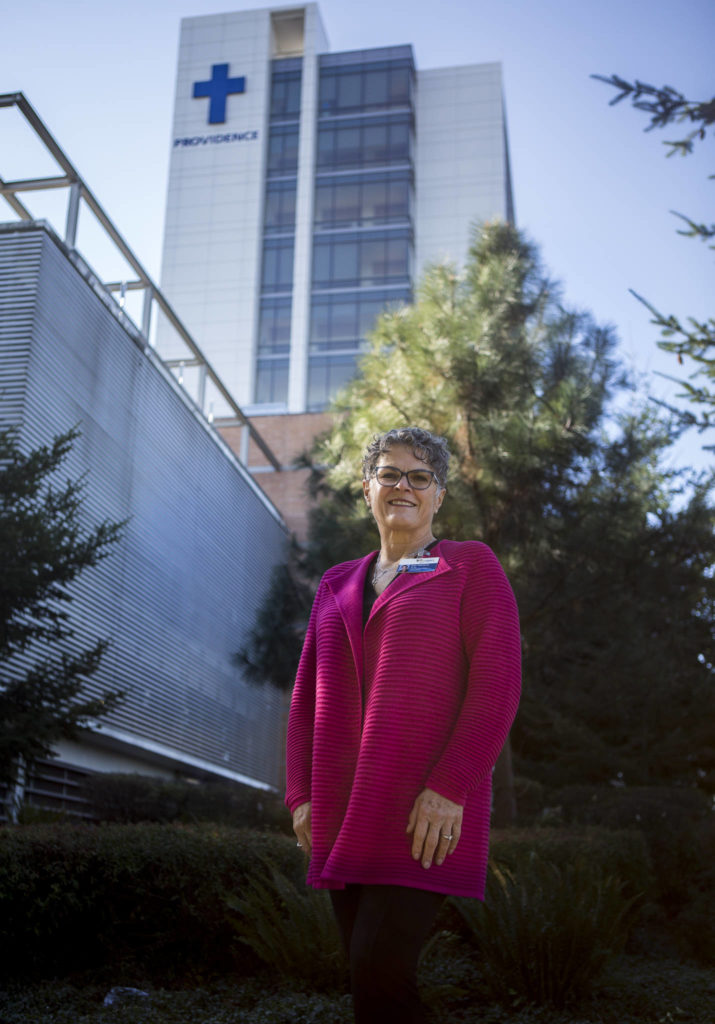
{"x": 383, "y": 928}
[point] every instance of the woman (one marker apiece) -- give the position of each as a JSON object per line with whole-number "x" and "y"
{"x": 407, "y": 687}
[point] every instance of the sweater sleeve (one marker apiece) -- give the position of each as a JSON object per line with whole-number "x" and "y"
{"x": 301, "y": 717}
{"x": 490, "y": 632}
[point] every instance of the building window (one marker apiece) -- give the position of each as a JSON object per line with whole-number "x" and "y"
{"x": 356, "y": 201}
{"x": 280, "y": 207}
{"x": 285, "y": 95}
{"x": 352, "y": 260}
{"x": 274, "y": 329}
{"x": 277, "y": 265}
{"x": 272, "y": 380}
{"x": 326, "y": 375}
{"x": 283, "y": 150}
{"x": 374, "y": 87}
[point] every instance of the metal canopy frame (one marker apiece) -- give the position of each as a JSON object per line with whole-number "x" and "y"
{"x": 80, "y": 192}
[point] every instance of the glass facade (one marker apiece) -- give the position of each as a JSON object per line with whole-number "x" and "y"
{"x": 381, "y": 141}
{"x": 369, "y": 84}
{"x": 362, "y": 227}
{"x": 273, "y": 355}
{"x": 360, "y": 200}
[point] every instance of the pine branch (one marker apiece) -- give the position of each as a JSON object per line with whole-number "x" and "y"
{"x": 665, "y": 105}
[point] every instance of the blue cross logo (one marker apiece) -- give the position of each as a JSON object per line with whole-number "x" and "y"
{"x": 217, "y": 89}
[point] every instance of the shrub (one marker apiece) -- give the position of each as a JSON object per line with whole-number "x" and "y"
{"x": 151, "y": 897}
{"x": 622, "y": 853}
{"x": 529, "y": 796}
{"x": 128, "y": 797}
{"x": 291, "y": 927}
{"x": 544, "y": 932}
{"x": 679, "y": 829}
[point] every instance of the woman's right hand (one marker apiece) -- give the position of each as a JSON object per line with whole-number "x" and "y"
{"x": 301, "y": 827}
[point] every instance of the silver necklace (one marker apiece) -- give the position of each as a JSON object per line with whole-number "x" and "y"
{"x": 378, "y": 573}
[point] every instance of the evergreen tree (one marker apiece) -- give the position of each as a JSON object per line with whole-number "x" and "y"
{"x": 613, "y": 582}
{"x": 43, "y": 548}
{"x": 272, "y": 651}
{"x": 611, "y": 557}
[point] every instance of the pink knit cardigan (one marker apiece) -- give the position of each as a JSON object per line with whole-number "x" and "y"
{"x": 424, "y": 696}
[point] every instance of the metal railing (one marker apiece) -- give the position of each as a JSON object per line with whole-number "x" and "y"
{"x": 78, "y": 193}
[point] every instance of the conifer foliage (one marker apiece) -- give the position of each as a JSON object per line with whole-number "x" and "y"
{"x": 610, "y": 555}
{"x": 44, "y": 546}
{"x": 684, "y": 337}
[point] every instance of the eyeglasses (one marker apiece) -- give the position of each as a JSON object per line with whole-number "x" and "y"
{"x": 418, "y": 479}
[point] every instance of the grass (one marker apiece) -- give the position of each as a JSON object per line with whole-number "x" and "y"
{"x": 633, "y": 990}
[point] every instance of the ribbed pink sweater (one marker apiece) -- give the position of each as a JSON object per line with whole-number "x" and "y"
{"x": 423, "y": 697}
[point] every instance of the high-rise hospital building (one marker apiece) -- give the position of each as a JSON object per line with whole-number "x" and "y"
{"x": 309, "y": 189}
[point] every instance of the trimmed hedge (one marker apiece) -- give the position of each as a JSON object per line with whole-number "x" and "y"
{"x": 153, "y": 898}
{"x": 123, "y": 797}
{"x": 147, "y": 897}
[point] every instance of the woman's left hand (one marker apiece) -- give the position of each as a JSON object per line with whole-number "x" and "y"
{"x": 435, "y": 824}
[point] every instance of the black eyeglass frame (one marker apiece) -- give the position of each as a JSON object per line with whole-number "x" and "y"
{"x": 405, "y": 472}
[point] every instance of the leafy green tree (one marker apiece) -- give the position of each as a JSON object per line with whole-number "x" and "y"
{"x": 43, "y": 548}
{"x": 690, "y": 338}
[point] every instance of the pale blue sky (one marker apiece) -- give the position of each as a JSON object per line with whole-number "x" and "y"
{"x": 590, "y": 187}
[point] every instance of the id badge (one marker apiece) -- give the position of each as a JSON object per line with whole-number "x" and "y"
{"x": 418, "y": 564}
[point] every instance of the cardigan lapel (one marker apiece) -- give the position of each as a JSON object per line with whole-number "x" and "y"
{"x": 347, "y": 590}
{"x": 406, "y": 580}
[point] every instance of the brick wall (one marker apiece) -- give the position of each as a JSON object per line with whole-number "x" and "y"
{"x": 288, "y": 435}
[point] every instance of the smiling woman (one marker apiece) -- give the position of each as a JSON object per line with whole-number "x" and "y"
{"x": 407, "y": 686}
{"x": 403, "y": 496}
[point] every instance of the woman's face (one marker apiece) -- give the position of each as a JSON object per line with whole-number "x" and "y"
{"x": 401, "y": 507}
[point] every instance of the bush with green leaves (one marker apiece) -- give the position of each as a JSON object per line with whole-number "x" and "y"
{"x": 131, "y": 797}
{"x": 147, "y": 899}
{"x": 290, "y": 927}
{"x": 678, "y": 826}
{"x": 620, "y": 852}
{"x": 544, "y": 932}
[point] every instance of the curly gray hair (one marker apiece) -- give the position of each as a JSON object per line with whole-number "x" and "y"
{"x": 425, "y": 446}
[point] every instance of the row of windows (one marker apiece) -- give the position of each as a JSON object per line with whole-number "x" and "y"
{"x": 364, "y": 143}
{"x": 341, "y": 322}
{"x": 343, "y": 146}
{"x": 355, "y": 260}
{"x": 342, "y": 202}
{"x": 353, "y": 201}
{"x": 375, "y": 87}
{"x": 326, "y": 375}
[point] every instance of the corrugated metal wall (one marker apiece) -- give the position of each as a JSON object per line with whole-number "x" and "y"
{"x": 179, "y": 593}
